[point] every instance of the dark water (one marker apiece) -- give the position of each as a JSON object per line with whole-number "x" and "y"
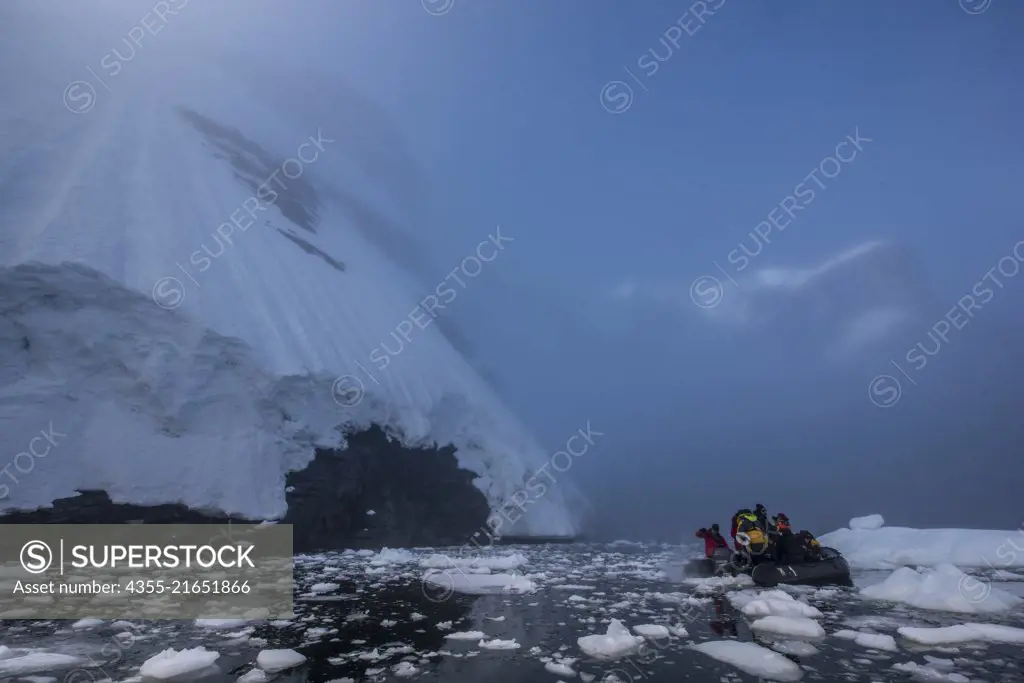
{"x": 382, "y": 615}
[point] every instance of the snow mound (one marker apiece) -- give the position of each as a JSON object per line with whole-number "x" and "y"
{"x": 964, "y": 633}
{"x": 752, "y": 659}
{"x": 223, "y": 295}
{"x": 891, "y": 547}
{"x": 943, "y": 589}
{"x": 616, "y": 642}
{"x": 869, "y": 522}
{"x": 172, "y": 663}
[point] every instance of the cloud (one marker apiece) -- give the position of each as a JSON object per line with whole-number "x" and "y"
{"x": 847, "y": 302}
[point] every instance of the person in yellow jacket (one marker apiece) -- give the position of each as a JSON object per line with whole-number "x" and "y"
{"x": 750, "y": 535}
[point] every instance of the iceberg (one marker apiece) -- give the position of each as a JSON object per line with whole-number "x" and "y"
{"x": 867, "y": 546}
{"x": 944, "y": 588}
{"x": 194, "y": 288}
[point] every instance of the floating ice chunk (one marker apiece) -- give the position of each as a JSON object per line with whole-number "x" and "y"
{"x": 87, "y": 623}
{"x": 945, "y": 588}
{"x": 466, "y": 635}
{"x": 652, "y": 630}
{"x": 371, "y": 513}
{"x": 405, "y": 669}
{"x": 964, "y": 633}
{"x": 616, "y": 642}
{"x": 221, "y": 623}
{"x": 324, "y": 587}
{"x": 795, "y": 627}
{"x": 172, "y": 663}
{"x": 560, "y": 669}
{"x": 499, "y": 562}
{"x": 868, "y": 522}
{"x": 927, "y": 674}
{"x": 388, "y": 556}
{"x": 777, "y": 604}
{"x": 479, "y": 584}
{"x": 20, "y": 665}
{"x": 255, "y": 675}
{"x": 443, "y": 625}
{"x": 752, "y": 659}
{"x": 873, "y": 641}
{"x": 498, "y": 644}
{"x": 273, "y": 661}
{"x": 794, "y": 647}
{"x": 891, "y": 547}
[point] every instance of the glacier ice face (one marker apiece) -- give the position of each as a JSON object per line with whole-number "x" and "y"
{"x": 188, "y": 358}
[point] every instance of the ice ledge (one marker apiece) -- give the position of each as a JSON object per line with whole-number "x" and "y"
{"x": 156, "y": 408}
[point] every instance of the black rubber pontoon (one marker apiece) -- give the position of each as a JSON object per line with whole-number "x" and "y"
{"x": 708, "y": 566}
{"x": 831, "y": 570}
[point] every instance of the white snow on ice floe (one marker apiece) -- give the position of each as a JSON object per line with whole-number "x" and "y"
{"x": 221, "y": 623}
{"x": 872, "y": 641}
{"x": 215, "y": 401}
{"x": 942, "y": 588}
{"x": 799, "y": 648}
{"x": 324, "y": 587}
{"x": 466, "y": 635}
{"x": 499, "y": 562}
{"x": 791, "y": 627}
{"x": 87, "y": 623}
{"x": 964, "y": 633}
{"x": 478, "y": 584}
{"x": 31, "y": 662}
{"x": 498, "y": 644}
{"x": 560, "y": 669}
{"x": 930, "y": 674}
{"x": 752, "y": 659}
{"x": 868, "y": 522}
{"x": 173, "y": 663}
{"x": 652, "y": 630}
{"x": 273, "y": 661}
{"x": 615, "y": 642}
{"x": 768, "y": 603}
{"x": 891, "y": 547}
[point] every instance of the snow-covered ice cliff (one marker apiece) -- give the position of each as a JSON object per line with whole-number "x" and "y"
{"x": 186, "y": 271}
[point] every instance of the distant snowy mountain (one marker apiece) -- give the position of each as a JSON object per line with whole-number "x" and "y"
{"x": 195, "y": 292}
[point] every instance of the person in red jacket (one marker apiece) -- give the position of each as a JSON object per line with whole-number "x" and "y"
{"x": 712, "y": 539}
